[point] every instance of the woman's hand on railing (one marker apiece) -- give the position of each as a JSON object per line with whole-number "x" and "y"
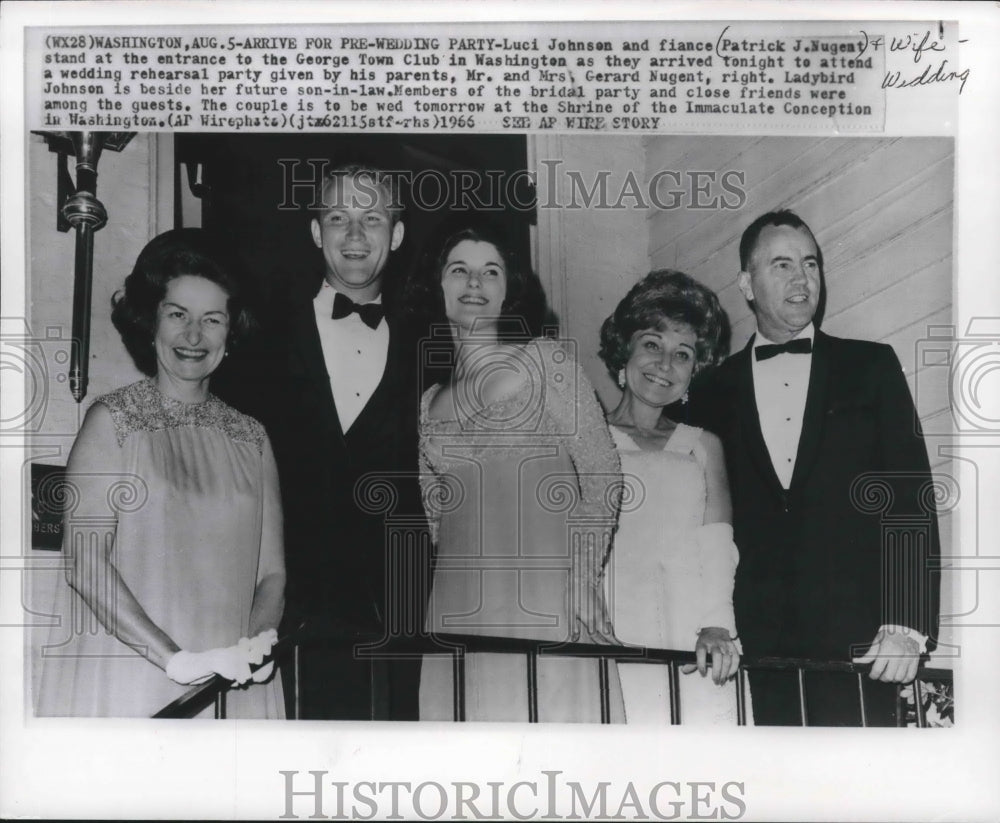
{"x": 717, "y": 643}
{"x": 590, "y": 621}
{"x": 594, "y": 626}
{"x": 256, "y": 649}
{"x": 188, "y": 668}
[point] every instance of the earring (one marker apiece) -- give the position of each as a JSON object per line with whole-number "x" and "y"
{"x": 684, "y": 399}
{"x": 621, "y": 378}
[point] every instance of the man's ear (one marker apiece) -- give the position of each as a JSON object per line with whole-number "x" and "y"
{"x": 397, "y": 236}
{"x": 317, "y": 233}
{"x": 744, "y": 284}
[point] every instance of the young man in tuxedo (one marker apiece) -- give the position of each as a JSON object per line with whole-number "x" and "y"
{"x": 812, "y": 425}
{"x": 345, "y": 436}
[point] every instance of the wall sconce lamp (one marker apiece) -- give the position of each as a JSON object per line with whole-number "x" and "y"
{"x": 79, "y": 208}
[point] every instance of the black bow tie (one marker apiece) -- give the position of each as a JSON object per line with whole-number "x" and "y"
{"x": 801, "y": 345}
{"x": 371, "y": 314}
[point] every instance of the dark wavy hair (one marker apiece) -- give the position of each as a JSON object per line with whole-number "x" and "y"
{"x": 781, "y": 217}
{"x": 663, "y": 295}
{"x": 173, "y": 254}
{"x": 524, "y": 306}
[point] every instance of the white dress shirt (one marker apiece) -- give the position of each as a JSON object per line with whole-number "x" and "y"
{"x": 780, "y": 386}
{"x": 355, "y": 355}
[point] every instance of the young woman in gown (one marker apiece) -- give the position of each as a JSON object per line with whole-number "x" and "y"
{"x": 670, "y": 581}
{"x": 173, "y": 530}
{"x": 520, "y": 483}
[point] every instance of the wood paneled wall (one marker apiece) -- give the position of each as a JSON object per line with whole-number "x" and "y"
{"x": 881, "y": 210}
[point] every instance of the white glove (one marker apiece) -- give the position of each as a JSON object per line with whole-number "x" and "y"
{"x": 718, "y": 557}
{"x": 188, "y": 668}
{"x": 257, "y": 648}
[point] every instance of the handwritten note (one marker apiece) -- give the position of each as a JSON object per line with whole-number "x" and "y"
{"x": 920, "y": 44}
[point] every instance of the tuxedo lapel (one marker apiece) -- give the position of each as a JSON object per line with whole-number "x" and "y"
{"x": 815, "y": 410}
{"x": 310, "y": 368}
{"x": 749, "y": 418}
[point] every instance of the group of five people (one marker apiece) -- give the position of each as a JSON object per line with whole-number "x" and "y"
{"x": 477, "y": 488}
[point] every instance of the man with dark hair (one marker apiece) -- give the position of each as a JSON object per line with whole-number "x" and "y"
{"x": 341, "y": 406}
{"x": 811, "y": 425}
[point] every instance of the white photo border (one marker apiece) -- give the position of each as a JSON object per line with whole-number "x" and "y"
{"x": 131, "y": 770}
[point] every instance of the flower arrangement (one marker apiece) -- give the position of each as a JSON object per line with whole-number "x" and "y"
{"x": 937, "y": 699}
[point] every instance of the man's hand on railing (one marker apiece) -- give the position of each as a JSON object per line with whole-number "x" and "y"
{"x": 257, "y": 648}
{"x": 716, "y": 643}
{"x": 894, "y": 655}
{"x": 231, "y": 662}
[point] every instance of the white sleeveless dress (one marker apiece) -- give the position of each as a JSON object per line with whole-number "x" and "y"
{"x": 654, "y": 583}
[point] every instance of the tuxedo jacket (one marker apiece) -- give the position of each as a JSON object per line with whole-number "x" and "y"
{"x": 846, "y": 548}
{"x": 354, "y": 522}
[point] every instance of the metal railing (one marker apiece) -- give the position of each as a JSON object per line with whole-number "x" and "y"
{"x": 458, "y": 647}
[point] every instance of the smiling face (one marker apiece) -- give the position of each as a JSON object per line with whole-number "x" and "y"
{"x": 783, "y": 282}
{"x": 661, "y": 363}
{"x": 356, "y": 235}
{"x": 474, "y": 283}
{"x": 192, "y": 324}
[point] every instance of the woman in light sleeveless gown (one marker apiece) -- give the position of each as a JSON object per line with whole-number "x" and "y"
{"x": 173, "y": 547}
{"x": 670, "y": 581}
{"x": 520, "y": 478}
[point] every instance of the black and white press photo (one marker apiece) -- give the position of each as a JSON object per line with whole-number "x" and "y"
{"x": 526, "y": 419}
